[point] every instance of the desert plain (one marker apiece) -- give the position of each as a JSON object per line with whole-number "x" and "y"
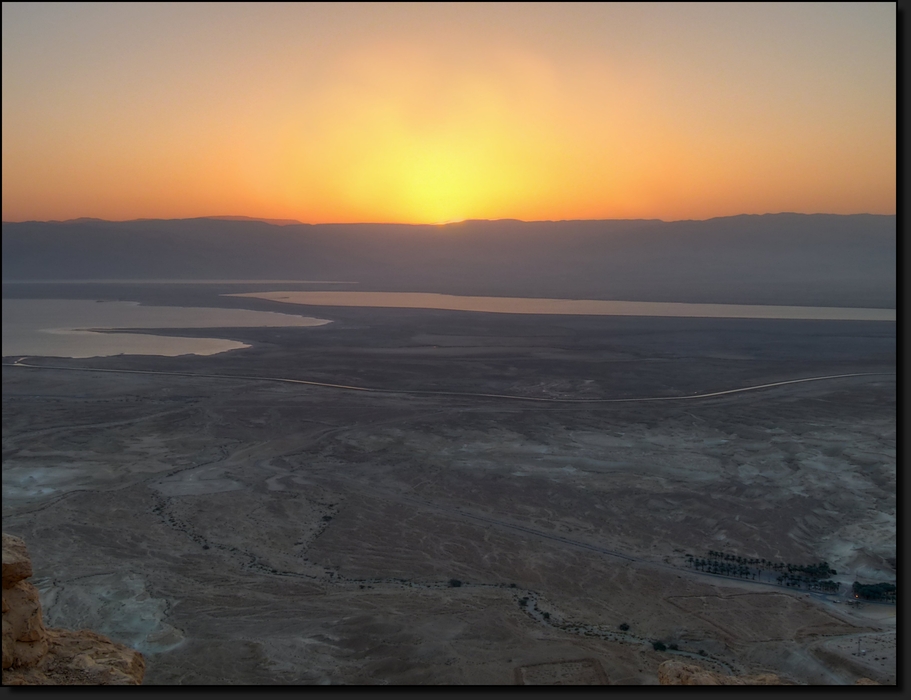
{"x": 449, "y": 526}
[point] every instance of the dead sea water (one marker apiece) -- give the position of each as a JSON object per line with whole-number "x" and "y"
{"x": 575, "y": 307}
{"x": 63, "y": 328}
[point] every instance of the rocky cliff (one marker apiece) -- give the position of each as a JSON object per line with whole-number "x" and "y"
{"x": 35, "y": 655}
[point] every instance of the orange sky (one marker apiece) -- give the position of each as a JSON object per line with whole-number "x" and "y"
{"x": 432, "y": 113}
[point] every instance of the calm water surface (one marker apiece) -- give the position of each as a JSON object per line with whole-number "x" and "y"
{"x": 62, "y": 328}
{"x": 576, "y": 307}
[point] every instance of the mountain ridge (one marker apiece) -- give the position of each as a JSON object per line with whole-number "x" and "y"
{"x": 791, "y": 259}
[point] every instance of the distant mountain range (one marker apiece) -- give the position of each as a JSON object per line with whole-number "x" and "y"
{"x": 817, "y": 260}
{"x": 89, "y": 219}
{"x": 274, "y": 222}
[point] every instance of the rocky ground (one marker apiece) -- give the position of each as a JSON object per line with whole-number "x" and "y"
{"x": 36, "y": 655}
{"x": 241, "y": 531}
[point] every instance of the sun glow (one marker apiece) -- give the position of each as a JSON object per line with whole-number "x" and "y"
{"x": 411, "y": 137}
{"x": 434, "y": 113}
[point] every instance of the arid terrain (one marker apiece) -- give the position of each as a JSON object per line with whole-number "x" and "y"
{"x": 243, "y": 530}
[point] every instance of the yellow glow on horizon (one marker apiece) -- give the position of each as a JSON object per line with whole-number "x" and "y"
{"x": 446, "y": 114}
{"x": 406, "y": 137}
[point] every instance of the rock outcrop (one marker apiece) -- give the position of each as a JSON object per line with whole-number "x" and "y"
{"x": 678, "y": 673}
{"x": 35, "y": 655}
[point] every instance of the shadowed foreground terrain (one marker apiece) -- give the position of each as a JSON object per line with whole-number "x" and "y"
{"x": 244, "y": 531}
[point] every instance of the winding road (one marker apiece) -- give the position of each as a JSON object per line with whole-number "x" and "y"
{"x": 457, "y": 394}
{"x": 483, "y": 518}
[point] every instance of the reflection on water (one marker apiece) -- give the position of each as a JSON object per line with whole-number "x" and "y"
{"x": 576, "y": 307}
{"x": 60, "y": 328}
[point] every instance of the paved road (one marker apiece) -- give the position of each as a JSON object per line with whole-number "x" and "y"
{"x": 460, "y": 394}
{"x": 459, "y": 512}
{"x": 453, "y": 511}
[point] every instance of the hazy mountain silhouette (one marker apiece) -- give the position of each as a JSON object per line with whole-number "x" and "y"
{"x": 818, "y": 259}
{"x": 274, "y": 222}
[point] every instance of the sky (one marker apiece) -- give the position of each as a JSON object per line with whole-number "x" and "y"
{"x": 432, "y": 113}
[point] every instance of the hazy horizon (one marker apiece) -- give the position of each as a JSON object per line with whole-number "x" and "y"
{"x": 290, "y": 222}
{"x": 776, "y": 259}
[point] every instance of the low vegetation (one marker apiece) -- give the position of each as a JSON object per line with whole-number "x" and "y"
{"x": 811, "y": 577}
{"x": 885, "y": 592}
